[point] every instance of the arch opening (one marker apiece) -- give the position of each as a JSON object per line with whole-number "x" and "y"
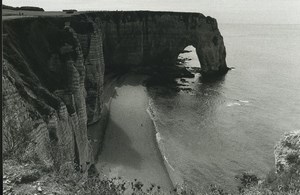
{"x": 188, "y": 58}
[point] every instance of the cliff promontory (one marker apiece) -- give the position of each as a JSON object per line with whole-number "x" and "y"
{"x": 53, "y": 70}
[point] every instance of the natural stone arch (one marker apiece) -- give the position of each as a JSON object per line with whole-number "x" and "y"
{"x": 159, "y": 37}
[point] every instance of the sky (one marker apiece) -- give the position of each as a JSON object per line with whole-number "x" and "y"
{"x": 225, "y": 11}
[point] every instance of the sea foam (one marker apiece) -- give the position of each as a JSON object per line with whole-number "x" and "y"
{"x": 174, "y": 176}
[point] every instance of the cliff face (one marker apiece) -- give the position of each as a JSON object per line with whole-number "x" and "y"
{"x": 44, "y": 61}
{"x": 54, "y": 69}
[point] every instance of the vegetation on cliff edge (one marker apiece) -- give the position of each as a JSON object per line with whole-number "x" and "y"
{"x": 35, "y": 178}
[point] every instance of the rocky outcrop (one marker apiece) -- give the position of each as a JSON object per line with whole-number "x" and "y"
{"x": 287, "y": 151}
{"x": 53, "y": 69}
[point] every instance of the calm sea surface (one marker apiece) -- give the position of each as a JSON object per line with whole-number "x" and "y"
{"x": 218, "y": 130}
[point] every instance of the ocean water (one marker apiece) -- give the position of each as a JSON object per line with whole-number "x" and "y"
{"x": 217, "y": 130}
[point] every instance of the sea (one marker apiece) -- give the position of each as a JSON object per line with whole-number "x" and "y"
{"x": 211, "y": 132}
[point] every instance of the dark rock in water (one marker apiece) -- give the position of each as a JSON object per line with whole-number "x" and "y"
{"x": 183, "y": 80}
{"x": 182, "y": 85}
{"x": 186, "y": 51}
{"x": 180, "y": 61}
{"x": 195, "y": 69}
{"x": 53, "y": 69}
{"x": 186, "y": 89}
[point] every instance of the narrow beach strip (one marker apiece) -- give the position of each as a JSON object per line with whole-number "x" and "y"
{"x": 130, "y": 150}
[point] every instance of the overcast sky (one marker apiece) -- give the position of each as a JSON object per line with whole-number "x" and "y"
{"x": 226, "y": 11}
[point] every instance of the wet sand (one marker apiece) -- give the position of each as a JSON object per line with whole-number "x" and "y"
{"x": 130, "y": 150}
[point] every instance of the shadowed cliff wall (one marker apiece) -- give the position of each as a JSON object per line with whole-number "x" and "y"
{"x": 44, "y": 61}
{"x": 54, "y": 69}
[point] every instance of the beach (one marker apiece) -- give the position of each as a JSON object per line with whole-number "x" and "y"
{"x": 129, "y": 148}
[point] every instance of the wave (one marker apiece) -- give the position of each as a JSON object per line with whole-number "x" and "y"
{"x": 173, "y": 175}
{"x": 233, "y": 104}
{"x": 238, "y": 103}
{"x": 244, "y": 101}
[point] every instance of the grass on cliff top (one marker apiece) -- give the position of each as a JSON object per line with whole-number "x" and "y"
{"x": 286, "y": 182}
{"x": 12, "y": 14}
{"x": 35, "y": 178}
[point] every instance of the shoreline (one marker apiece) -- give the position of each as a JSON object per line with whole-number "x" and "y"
{"x": 174, "y": 177}
{"x": 127, "y": 151}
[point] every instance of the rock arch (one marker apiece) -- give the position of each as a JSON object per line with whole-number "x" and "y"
{"x": 148, "y": 38}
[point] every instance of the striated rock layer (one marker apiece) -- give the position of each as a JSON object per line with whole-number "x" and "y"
{"x": 53, "y": 69}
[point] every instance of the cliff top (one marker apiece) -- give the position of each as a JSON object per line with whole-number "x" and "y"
{"x": 8, "y": 14}
{"x": 16, "y": 14}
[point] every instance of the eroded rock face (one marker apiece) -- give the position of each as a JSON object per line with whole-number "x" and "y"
{"x": 45, "y": 63}
{"x": 54, "y": 69}
{"x": 287, "y": 151}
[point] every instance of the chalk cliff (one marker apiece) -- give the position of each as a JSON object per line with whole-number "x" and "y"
{"x": 53, "y": 69}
